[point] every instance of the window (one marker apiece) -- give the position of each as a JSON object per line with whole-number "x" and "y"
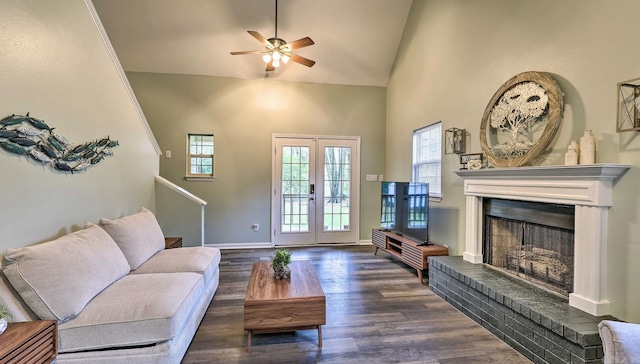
{"x": 200, "y": 156}
{"x": 427, "y": 157}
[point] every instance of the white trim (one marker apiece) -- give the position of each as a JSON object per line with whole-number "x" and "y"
{"x": 188, "y": 195}
{"x": 262, "y": 245}
{"x": 268, "y": 245}
{"x": 181, "y": 191}
{"x": 587, "y": 187}
{"x": 199, "y": 179}
{"x": 306, "y": 136}
{"x": 356, "y": 186}
{"x": 199, "y": 176}
{"x": 355, "y": 190}
{"x": 123, "y": 77}
{"x": 433, "y": 162}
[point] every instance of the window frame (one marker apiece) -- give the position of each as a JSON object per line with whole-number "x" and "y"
{"x": 200, "y": 176}
{"x": 416, "y": 163}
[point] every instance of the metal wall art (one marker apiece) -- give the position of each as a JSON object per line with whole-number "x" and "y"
{"x": 521, "y": 119}
{"x": 28, "y": 136}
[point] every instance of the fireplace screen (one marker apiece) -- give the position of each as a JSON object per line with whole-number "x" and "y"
{"x": 531, "y": 240}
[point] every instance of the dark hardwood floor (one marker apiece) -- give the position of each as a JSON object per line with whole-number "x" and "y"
{"x": 377, "y": 312}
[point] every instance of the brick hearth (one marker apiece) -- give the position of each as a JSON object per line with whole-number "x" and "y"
{"x": 539, "y": 324}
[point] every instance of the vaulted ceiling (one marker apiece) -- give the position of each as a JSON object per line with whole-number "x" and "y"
{"x": 356, "y": 41}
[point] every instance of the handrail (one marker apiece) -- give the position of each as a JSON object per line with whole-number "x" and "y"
{"x": 175, "y": 188}
{"x": 181, "y": 191}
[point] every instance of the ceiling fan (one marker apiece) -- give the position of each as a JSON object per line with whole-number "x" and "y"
{"x": 277, "y": 50}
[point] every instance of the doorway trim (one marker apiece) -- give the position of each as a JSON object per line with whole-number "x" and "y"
{"x": 355, "y": 184}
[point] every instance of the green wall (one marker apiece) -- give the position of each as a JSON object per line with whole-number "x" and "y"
{"x": 455, "y": 54}
{"x": 243, "y": 115}
{"x": 54, "y": 64}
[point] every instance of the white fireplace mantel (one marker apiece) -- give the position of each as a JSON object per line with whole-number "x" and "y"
{"x": 587, "y": 187}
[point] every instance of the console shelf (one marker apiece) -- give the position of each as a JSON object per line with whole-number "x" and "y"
{"x": 406, "y": 250}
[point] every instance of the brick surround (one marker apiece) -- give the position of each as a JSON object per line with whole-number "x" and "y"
{"x": 539, "y": 324}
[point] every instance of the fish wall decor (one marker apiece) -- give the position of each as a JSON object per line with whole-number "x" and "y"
{"x": 33, "y": 138}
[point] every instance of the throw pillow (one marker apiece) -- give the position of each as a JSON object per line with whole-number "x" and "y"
{"x": 58, "y": 278}
{"x": 139, "y": 236}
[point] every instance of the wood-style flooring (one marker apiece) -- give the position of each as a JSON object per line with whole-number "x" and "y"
{"x": 377, "y": 312}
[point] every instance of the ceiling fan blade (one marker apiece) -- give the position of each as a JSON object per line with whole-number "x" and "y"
{"x": 304, "y": 42}
{"x": 270, "y": 67}
{"x": 299, "y": 59}
{"x": 260, "y": 38}
{"x": 248, "y": 52}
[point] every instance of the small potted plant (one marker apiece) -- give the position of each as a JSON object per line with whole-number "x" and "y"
{"x": 280, "y": 261}
{"x": 5, "y": 317}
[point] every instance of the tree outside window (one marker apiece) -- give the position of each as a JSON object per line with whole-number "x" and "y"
{"x": 200, "y": 156}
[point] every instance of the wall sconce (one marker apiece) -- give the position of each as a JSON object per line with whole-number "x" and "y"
{"x": 628, "y": 106}
{"x": 455, "y": 141}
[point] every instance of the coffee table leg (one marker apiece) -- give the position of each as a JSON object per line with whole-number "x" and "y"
{"x": 319, "y": 336}
{"x": 249, "y": 342}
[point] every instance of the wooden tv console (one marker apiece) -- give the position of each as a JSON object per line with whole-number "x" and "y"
{"x": 407, "y": 250}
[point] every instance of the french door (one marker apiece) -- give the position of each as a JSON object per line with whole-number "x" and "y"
{"x": 315, "y": 190}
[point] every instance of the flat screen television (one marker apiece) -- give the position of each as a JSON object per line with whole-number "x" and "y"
{"x": 405, "y": 209}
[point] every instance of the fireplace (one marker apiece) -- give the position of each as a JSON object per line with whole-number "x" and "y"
{"x": 587, "y": 188}
{"x": 531, "y": 240}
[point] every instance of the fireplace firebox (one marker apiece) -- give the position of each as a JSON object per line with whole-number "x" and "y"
{"x": 532, "y": 240}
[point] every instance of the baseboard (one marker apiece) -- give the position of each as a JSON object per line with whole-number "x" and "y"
{"x": 264, "y": 245}
{"x": 267, "y": 245}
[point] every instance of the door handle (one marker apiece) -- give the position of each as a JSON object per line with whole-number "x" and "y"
{"x": 312, "y": 192}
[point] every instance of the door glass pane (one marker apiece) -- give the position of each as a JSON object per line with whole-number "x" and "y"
{"x": 337, "y": 186}
{"x": 295, "y": 189}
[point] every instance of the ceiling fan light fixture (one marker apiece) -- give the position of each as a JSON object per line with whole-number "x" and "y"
{"x": 278, "y": 50}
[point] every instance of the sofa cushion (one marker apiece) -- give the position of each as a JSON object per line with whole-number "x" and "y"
{"x": 139, "y": 309}
{"x": 58, "y": 278}
{"x": 203, "y": 260}
{"x": 139, "y": 236}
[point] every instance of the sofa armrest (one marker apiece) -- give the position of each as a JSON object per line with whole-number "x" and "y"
{"x": 620, "y": 341}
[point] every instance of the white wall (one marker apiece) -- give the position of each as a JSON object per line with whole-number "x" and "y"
{"x": 54, "y": 64}
{"x": 455, "y": 54}
{"x": 243, "y": 115}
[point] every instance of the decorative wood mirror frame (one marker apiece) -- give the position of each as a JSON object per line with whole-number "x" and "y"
{"x": 553, "y": 113}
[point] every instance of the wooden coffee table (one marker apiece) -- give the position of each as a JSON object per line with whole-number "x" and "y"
{"x": 279, "y": 305}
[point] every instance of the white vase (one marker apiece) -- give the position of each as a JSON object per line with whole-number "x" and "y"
{"x": 3, "y": 325}
{"x": 576, "y": 146}
{"x": 587, "y": 148}
{"x": 571, "y": 157}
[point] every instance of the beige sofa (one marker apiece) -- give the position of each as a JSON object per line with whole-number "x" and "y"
{"x": 117, "y": 294}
